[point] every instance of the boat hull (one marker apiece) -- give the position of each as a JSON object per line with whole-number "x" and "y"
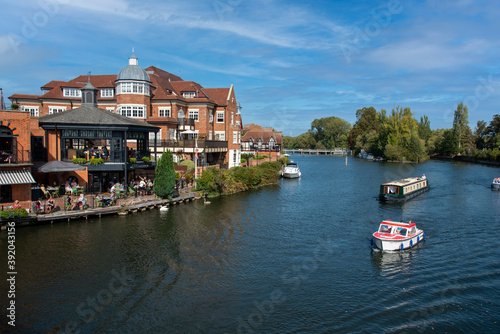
{"x": 495, "y": 186}
{"x": 389, "y": 198}
{"x": 291, "y": 175}
{"x": 397, "y": 244}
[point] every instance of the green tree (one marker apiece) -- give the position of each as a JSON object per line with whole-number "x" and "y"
{"x": 424, "y": 128}
{"x": 165, "y": 175}
{"x": 480, "y": 134}
{"x": 330, "y": 131}
{"x": 460, "y": 126}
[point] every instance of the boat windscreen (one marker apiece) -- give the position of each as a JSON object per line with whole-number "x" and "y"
{"x": 385, "y": 229}
{"x": 401, "y": 231}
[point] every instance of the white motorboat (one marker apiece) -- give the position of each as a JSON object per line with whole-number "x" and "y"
{"x": 291, "y": 170}
{"x": 393, "y": 236}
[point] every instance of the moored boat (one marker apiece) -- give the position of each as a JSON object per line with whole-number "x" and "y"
{"x": 291, "y": 170}
{"x": 392, "y": 236}
{"x": 404, "y": 189}
{"x": 496, "y": 184}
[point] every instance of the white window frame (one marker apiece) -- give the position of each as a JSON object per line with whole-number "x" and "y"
{"x": 107, "y": 92}
{"x": 72, "y": 92}
{"x": 56, "y": 109}
{"x": 131, "y": 87}
{"x": 220, "y": 113}
{"x": 210, "y": 135}
{"x": 235, "y": 137}
{"x": 34, "y": 111}
{"x": 189, "y": 95}
{"x": 132, "y": 110}
{"x": 210, "y": 118}
{"x": 152, "y": 138}
{"x": 220, "y": 135}
{"x": 194, "y": 114}
{"x": 164, "y": 112}
{"x": 232, "y": 117}
{"x": 112, "y": 109}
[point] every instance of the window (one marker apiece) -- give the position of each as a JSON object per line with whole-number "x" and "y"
{"x": 133, "y": 88}
{"x": 164, "y": 112}
{"x": 211, "y": 118}
{"x": 235, "y": 137}
{"x": 132, "y": 111}
{"x": 193, "y": 114}
{"x": 171, "y": 134}
{"x": 220, "y": 135}
{"x": 220, "y": 117}
{"x": 152, "y": 138}
{"x": 72, "y": 92}
{"x": 232, "y": 118}
{"x": 33, "y": 110}
{"x": 188, "y": 94}
{"x": 235, "y": 155}
{"x": 210, "y": 135}
{"x": 55, "y": 110}
{"x": 112, "y": 109}
{"x": 107, "y": 92}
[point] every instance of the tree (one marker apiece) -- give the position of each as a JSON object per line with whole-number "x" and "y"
{"x": 480, "y": 134}
{"x": 460, "y": 125}
{"x": 165, "y": 176}
{"x": 330, "y": 131}
{"x": 424, "y": 128}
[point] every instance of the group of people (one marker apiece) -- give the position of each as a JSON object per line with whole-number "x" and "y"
{"x": 96, "y": 152}
{"x": 80, "y": 202}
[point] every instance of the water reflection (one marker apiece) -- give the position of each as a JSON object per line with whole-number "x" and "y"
{"x": 389, "y": 263}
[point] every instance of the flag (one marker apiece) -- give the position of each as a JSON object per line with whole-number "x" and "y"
{"x": 196, "y": 151}
{"x": 2, "y": 102}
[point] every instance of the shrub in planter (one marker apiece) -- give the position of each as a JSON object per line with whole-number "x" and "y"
{"x": 145, "y": 159}
{"x": 132, "y": 160}
{"x": 96, "y": 161}
{"x": 79, "y": 161}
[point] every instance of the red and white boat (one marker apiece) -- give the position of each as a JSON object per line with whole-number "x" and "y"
{"x": 392, "y": 236}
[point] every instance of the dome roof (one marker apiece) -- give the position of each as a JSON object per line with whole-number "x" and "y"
{"x": 133, "y": 71}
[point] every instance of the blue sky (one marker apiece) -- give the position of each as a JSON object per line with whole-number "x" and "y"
{"x": 290, "y": 61}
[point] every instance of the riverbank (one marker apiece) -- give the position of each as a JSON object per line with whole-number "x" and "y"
{"x": 123, "y": 207}
{"x": 467, "y": 159}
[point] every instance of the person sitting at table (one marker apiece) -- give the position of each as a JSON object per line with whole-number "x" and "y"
{"x": 74, "y": 183}
{"x": 16, "y": 204}
{"x": 44, "y": 190}
{"x": 81, "y": 202}
{"x": 39, "y": 207}
{"x": 9, "y": 158}
{"x": 50, "y": 204}
{"x": 69, "y": 203}
{"x": 105, "y": 153}
{"x": 67, "y": 188}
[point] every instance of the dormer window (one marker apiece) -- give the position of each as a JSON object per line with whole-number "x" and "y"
{"x": 107, "y": 92}
{"x": 132, "y": 88}
{"x": 72, "y": 92}
{"x": 189, "y": 95}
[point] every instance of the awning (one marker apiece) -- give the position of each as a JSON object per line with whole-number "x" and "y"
{"x": 58, "y": 166}
{"x": 8, "y": 177}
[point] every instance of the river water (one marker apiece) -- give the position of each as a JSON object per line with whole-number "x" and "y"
{"x": 290, "y": 258}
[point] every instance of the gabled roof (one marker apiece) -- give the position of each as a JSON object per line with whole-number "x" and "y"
{"x": 52, "y": 84}
{"x": 265, "y": 136}
{"x": 164, "y": 74}
{"x": 93, "y": 116}
{"x": 24, "y": 96}
{"x": 219, "y": 95}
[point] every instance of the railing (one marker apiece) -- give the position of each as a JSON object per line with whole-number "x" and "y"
{"x": 178, "y": 144}
{"x": 15, "y": 157}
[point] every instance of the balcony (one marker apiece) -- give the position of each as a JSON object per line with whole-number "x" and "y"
{"x": 15, "y": 157}
{"x": 188, "y": 146}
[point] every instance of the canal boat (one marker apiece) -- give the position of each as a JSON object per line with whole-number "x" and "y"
{"x": 393, "y": 236}
{"x": 495, "y": 184}
{"x": 404, "y": 189}
{"x": 291, "y": 170}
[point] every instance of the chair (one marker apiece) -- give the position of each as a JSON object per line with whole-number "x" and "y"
{"x": 99, "y": 203}
{"x": 55, "y": 194}
{"x": 131, "y": 191}
{"x": 67, "y": 206}
{"x": 118, "y": 193}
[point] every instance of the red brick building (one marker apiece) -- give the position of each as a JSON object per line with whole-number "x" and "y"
{"x": 157, "y": 97}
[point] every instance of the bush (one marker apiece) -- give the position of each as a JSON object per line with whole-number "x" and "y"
{"x": 132, "y": 160}
{"x": 96, "y": 161}
{"x": 243, "y": 160}
{"x": 79, "y": 161}
{"x": 145, "y": 159}
{"x": 189, "y": 164}
{"x": 14, "y": 213}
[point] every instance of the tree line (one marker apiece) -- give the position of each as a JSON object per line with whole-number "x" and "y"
{"x": 398, "y": 135}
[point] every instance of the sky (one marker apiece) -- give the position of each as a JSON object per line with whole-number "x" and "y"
{"x": 290, "y": 61}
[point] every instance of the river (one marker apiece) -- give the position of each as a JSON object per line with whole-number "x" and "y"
{"x": 289, "y": 258}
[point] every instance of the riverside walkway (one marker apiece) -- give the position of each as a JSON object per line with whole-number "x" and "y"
{"x": 125, "y": 206}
